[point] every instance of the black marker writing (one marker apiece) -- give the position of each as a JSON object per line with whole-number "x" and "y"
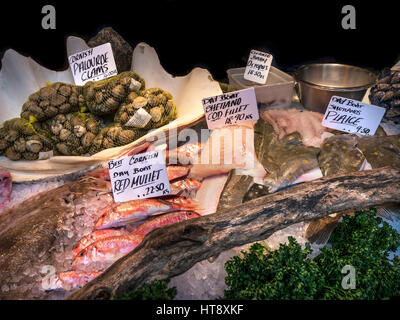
{"x": 142, "y": 180}
{"x": 334, "y": 116}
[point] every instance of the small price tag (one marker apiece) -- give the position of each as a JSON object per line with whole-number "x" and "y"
{"x": 140, "y": 176}
{"x": 231, "y": 108}
{"x": 93, "y": 64}
{"x": 139, "y": 120}
{"x": 258, "y": 66}
{"x": 44, "y": 155}
{"x": 352, "y": 116}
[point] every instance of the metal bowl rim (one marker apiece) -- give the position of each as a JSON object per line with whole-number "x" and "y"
{"x": 328, "y": 88}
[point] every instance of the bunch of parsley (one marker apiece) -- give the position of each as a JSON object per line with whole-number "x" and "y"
{"x": 157, "y": 290}
{"x": 362, "y": 241}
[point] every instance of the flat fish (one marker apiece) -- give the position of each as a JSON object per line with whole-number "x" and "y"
{"x": 340, "y": 154}
{"x": 285, "y": 159}
{"x": 380, "y": 151}
{"x": 234, "y": 191}
{"x": 348, "y": 153}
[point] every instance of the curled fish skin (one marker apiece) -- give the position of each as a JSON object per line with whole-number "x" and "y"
{"x": 186, "y": 185}
{"x": 185, "y": 154}
{"x": 177, "y": 172}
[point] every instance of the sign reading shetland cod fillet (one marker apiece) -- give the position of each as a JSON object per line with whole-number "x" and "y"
{"x": 258, "y": 66}
{"x": 93, "y": 64}
{"x": 352, "y": 116}
{"x": 231, "y": 108}
{"x": 140, "y": 176}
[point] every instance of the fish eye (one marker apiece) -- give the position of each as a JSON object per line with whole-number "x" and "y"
{"x": 81, "y": 254}
{"x": 190, "y": 213}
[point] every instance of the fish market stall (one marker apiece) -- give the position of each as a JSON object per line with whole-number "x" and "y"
{"x": 116, "y": 182}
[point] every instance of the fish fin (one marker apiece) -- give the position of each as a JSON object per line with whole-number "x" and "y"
{"x": 319, "y": 231}
{"x": 389, "y": 211}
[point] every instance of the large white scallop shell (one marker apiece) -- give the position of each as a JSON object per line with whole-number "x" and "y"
{"x": 20, "y": 76}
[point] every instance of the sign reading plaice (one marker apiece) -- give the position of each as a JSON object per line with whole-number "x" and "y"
{"x": 139, "y": 177}
{"x": 258, "y": 66}
{"x": 93, "y": 64}
{"x": 352, "y": 116}
{"x": 231, "y": 108}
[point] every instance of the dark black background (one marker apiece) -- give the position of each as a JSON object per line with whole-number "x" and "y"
{"x": 215, "y": 34}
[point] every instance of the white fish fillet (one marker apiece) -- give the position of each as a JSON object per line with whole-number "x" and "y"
{"x": 227, "y": 149}
{"x": 307, "y": 123}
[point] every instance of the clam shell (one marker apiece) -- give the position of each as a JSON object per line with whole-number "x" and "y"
{"x": 21, "y": 76}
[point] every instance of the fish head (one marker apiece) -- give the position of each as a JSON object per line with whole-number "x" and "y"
{"x": 83, "y": 258}
{"x": 5, "y": 188}
{"x": 101, "y": 222}
{"x": 106, "y": 219}
{"x": 191, "y": 215}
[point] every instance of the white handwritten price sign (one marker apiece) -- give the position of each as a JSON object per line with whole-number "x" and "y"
{"x": 93, "y": 64}
{"x": 258, "y": 66}
{"x": 352, "y": 116}
{"x": 140, "y": 176}
{"x": 231, "y": 108}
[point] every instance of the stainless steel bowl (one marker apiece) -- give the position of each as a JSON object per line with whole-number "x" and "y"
{"x": 317, "y": 83}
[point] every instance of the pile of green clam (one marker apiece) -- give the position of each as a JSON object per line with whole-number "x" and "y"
{"x": 83, "y": 120}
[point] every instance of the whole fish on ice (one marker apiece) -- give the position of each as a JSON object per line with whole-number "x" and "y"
{"x": 106, "y": 251}
{"x": 96, "y": 236}
{"x": 69, "y": 280}
{"x": 163, "y": 220}
{"x": 117, "y": 215}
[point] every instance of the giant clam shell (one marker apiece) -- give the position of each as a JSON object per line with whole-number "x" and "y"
{"x": 20, "y": 76}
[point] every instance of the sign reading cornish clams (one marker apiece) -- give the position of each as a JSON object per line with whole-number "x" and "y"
{"x": 140, "y": 176}
{"x": 93, "y": 64}
{"x": 231, "y": 108}
{"x": 352, "y": 116}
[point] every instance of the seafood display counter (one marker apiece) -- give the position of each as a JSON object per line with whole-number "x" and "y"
{"x": 63, "y": 235}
